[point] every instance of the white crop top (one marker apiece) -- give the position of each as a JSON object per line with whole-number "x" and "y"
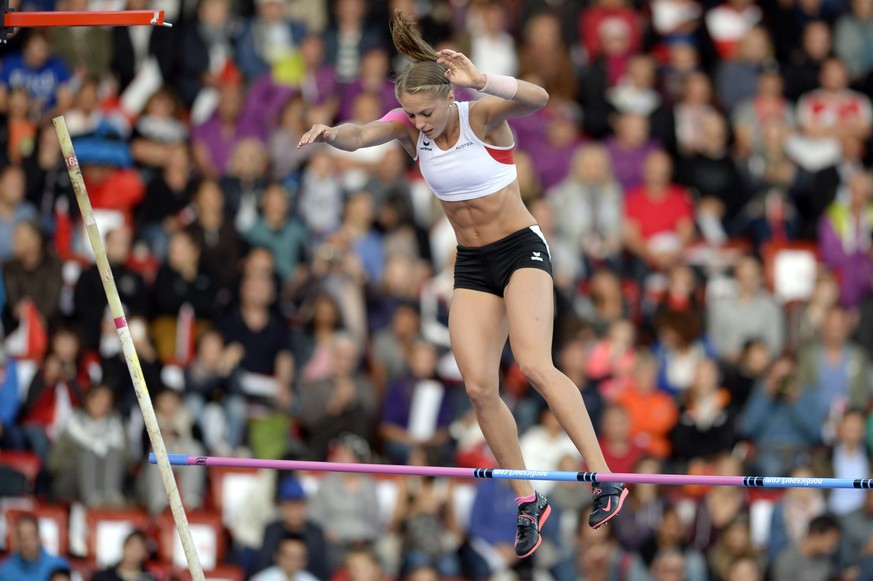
{"x": 469, "y": 169}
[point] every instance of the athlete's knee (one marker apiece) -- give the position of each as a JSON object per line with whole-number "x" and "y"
{"x": 537, "y": 370}
{"x": 482, "y": 390}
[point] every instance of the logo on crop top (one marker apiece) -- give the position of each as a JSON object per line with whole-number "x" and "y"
{"x": 463, "y": 145}
{"x": 536, "y": 256}
{"x": 426, "y": 142}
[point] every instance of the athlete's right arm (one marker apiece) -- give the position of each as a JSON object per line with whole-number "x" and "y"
{"x": 349, "y": 136}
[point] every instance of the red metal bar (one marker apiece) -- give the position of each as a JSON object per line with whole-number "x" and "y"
{"x": 117, "y": 18}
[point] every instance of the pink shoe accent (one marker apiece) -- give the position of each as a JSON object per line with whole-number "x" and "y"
{"x": 543, "y": 518}
{"x": 519, "y": 500}
{"x": 621, "y": 498}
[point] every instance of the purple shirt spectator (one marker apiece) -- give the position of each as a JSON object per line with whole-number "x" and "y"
{"x": 627, "y": 164}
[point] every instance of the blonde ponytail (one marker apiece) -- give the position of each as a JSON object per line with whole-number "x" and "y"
{"x": 424, "y": 74}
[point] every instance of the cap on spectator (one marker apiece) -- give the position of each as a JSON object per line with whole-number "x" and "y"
{"x": 358, "y": 445}
{"x": 291, "y": 489}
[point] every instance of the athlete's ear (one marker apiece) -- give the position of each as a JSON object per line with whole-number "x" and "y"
{"x": 451, "y": 98}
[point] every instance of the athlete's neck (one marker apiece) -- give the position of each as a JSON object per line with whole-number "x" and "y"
{"x": 453, "y": 128}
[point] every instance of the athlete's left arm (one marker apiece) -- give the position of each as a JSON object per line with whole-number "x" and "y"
{"x": 511, "y": 97}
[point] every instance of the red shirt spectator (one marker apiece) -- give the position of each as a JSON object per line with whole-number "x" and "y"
{"x": 728, "y": 23}
{"x": 659, "y": 217}
{"x": 608, "y": 13}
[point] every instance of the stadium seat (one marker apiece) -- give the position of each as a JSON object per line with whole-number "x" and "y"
{"x": 107, "y": 529}
{"x": 208, "y": 534}
{"x": 230, "y": 487}
{"x": 28, "y": 463}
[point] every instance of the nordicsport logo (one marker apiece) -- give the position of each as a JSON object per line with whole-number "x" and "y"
{"x": 536, "y": 256}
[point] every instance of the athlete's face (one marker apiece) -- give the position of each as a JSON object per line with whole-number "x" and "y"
{"x": 428, "y": 112}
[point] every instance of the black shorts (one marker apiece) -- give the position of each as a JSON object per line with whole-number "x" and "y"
{"x": 488, "y": 268}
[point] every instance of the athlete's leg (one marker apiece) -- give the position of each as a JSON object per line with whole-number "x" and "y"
{"x": 477, "y": 326}
{"x": 530, "y": 309}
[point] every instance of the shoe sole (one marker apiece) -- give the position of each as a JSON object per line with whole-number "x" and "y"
{"x": 543, "y": 518}
{"x": 621, "y": 498}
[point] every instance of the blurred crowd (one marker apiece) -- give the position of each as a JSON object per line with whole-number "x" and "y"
{"x": 702, "y": 174}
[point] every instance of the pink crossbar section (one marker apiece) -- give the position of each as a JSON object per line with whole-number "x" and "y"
{"x": 397, "y": 116}
{"x": 120, "y": 322}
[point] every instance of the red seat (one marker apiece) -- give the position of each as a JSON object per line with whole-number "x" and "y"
{"x": 207, "y": 532}
{"x": 28, "y": 463}
{"x": 106, "y": 530}
{"x": 53, "y": 526}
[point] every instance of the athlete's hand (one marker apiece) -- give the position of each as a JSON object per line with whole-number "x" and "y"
{"x": 319, "y": 133}
{"x": 461, "y": 70}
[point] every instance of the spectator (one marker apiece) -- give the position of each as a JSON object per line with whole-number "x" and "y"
{"x": 745, "y": 568}
{"x": 29, "y": 559}
{"x": 793, "y": 513}
{"x": 641, "y": 516}
{"x": 604, "y": 303}
{"x": 42, "y": 74}
{"x": 184, "y": 280}
{"x": 11, "y": 436}
{"x": 373, "y": 80}
{"x": 544, "y": 445}
{"x": 214, "y": 138}
{"x": 167, "y": 194}
{"x": 619, "y": 448}
{"x": 348, "y": 38}
{"x": 424, "y": 520}
{"x": 751, "y": 114}
{"x": 659, "y": 219}
{"x": 158, "y": 129}
{"x": 221, "y": 246}
{"x": 740, "y": 378}
{"x": 319, "y": 85}
{"x": 588, "y": 206}
{"x": 132, "y": 564}
{"x": 834, "y": 110}
{"x": 213, "y": 393}
{"x": 18, "y": 129}
{"x": 133, "y": 47}
{"x": 255, "y": 329}
{"x": 671, "y": 535}
{"x": 285, "y": 160}
{"x": 706, "y": 421}
{"x": 279, "y": 231}
{"x": 751, "y": 314}
{"x": 14, "y": 209}
{"x": 294, "y": 519}
{"x": 543, "y": 56}
{"x": 696, "y": 103}
{"x": 177, "y": 429}
{"x": 321, "y": 195}
{"x": 729, "y": 22}
{"x": 736, "y": 79}
{"x": 852, "y": 32}
{"x": 342, "y": 402}
{"x": 849, "y": 459}
{"x": 653, "y": 413}
{"x": 837, "y": 370}
{"x": 857, "y": 530}
{"x": 571, "y": 358}
{"x": 719, "y": 506}
{"x": 811, "y": 558}
{"x": 844, "y": 239}
{"x": 346, "y": 506}
{"x": 205, "y": 53}
{"x": 48, "y": 188}
{"x": 88, "y": 457}
{"x": 629, "y": 149}
{"x": 362, "y": 564}
{"x": 490, "y": 530}
{"x": 805, "y": 325}
{"x": 492, "y": 47}
{"x": 416, "y": 410}
{"x": 781, "y": 419}
{"x": 611, "y": 360}
{"x": 712, "y": 175}
{"x": 595, "y": 21}
{"x": 805, "y": 63}
{"x": 290, "y": 562}
{"x": 89, "y": 303}
{"x": 267, "y": 39}
{"x": 244, "y": 182}
{"x": 680, "y": 348}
